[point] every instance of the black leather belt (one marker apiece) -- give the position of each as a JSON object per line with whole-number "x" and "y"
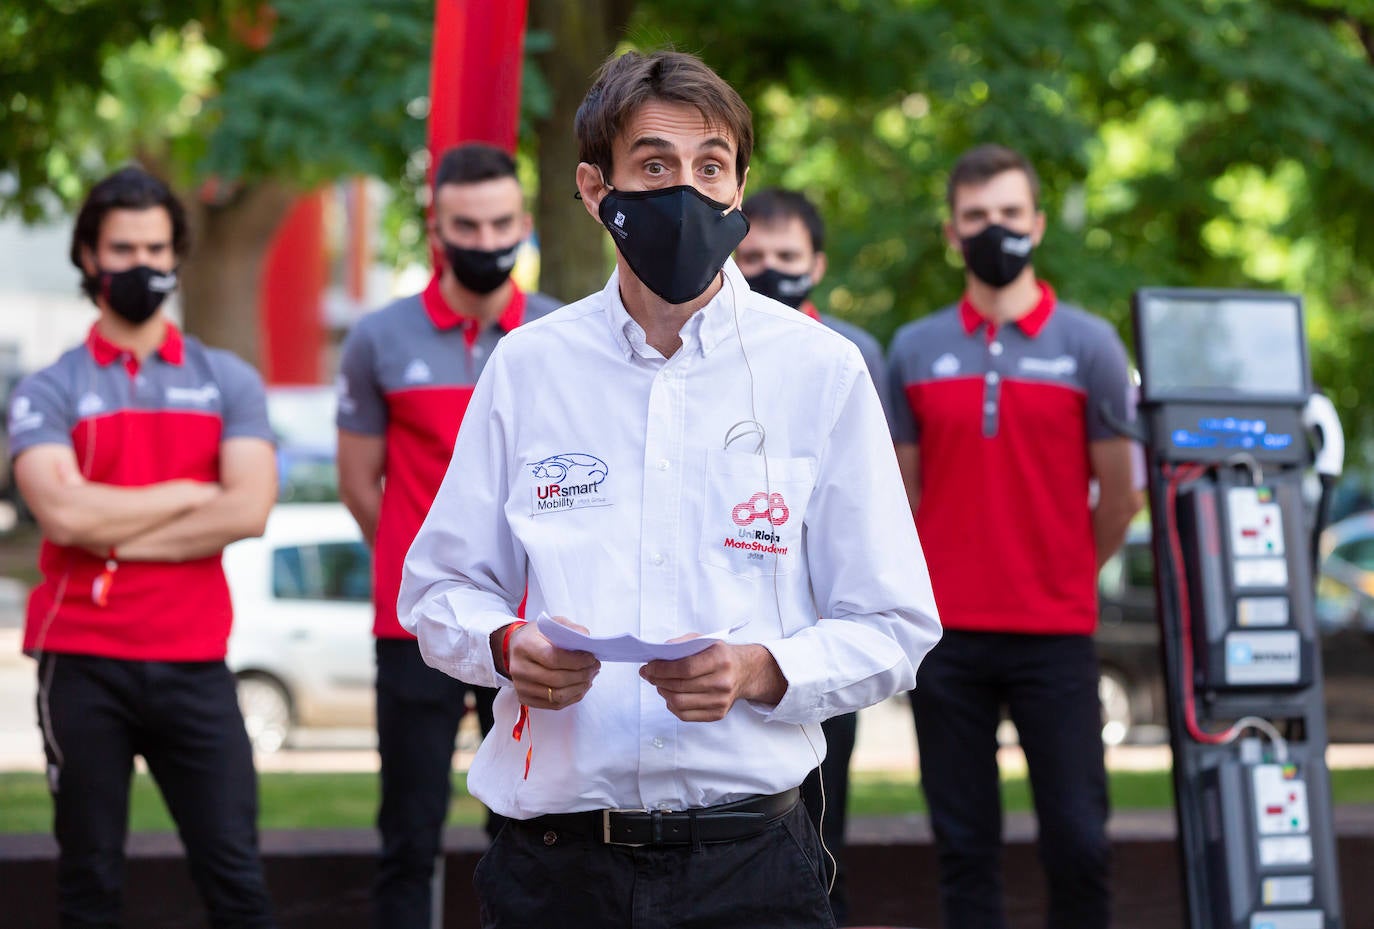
{"x": 726, "y": 822}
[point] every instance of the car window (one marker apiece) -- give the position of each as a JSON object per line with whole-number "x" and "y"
{"x": 1140, "y": 567}
{"x": 325, "y": 571}
{"x": 1359, "y": 552}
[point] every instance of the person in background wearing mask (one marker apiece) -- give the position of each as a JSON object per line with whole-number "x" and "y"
{"x": 670, "y": 457}
{"x": 1003, "y": 413}
{"x": 405, "y": 380}
{"x": 783, "y": 257}
{"x": 142, "y": 454}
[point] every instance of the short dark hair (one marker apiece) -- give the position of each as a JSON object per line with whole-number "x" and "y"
{"x": 472, "y": 163}
{"x": 129, "y": 188}
{"x": 626, "y": 83}
{"x": 980, "y": 165}
{"x": 774, "y": 204}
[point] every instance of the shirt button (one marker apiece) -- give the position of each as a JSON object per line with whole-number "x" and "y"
{"x": 657, "y": 742}
{"x": 663, "y": 464}
{"x": 989, "y": 407}
{"x": 992, "y": 377}
{"x": 657, "y": 559}
{"x": 664, "y": 806}
{"x": 995, "y": 348}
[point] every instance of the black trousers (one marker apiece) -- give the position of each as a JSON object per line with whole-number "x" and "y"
{"x": 183, "y": 718}
{"x": 418, "y": 712}
{"x": 1049, "y": 685}
{"x": 840, "y": 732}
{"x": 532, "y": 877}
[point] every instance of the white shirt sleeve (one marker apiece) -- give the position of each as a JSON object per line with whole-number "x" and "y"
{"x": 465, "y": 573}
{"x": 867, "y": 571}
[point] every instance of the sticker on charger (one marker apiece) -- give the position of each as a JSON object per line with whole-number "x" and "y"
{"x": 1262, "y": 658}
{"x": 1260, "y": 572}
{"x": 1262, "y": 611}
{"x": 1294, "y": 890}
{"x": 1285, "y": 850}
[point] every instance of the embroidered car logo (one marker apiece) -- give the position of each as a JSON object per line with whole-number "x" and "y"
{"x": 569, "y": 481}
{"x": 761, "y": 506}
{"x": 89, "y": 405}
{"x": 945, "y": 366}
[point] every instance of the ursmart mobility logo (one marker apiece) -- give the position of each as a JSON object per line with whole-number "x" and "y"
{"x": 772, "y": 510}
{"x": 569, "y": 481}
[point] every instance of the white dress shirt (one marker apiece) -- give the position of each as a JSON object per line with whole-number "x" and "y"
{"x": 625, "y": 490}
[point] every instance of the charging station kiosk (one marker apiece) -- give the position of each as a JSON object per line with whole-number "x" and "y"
{"x": 1231, "y": 424}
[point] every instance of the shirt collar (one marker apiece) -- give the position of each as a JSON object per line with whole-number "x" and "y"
{"x": 1031, "y": 323}
{"x": 703, "y": 331}
{"x": 172, "y": 350}
{"x": 444, "y": 316}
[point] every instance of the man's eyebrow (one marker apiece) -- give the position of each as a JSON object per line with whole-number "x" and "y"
{"x": 653, "y": 142}
{"x": 717, "y": 142}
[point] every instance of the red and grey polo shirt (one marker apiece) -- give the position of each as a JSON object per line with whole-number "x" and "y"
{"x": 1004, "y": 416}
{"x": 130, "y": 425}
{"x": 407, "y": 373}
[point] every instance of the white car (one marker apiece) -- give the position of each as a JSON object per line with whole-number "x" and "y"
{"x": 301, "y": 645}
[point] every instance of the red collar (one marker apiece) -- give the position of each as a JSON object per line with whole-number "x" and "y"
{"x": 172, "y": 350}
{"x": 444, "y": 316}
{"x": 809, "y": 309}
{"x": 1031, "y": 323}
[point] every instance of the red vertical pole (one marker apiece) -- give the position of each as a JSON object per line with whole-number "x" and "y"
{"x": 474, "y": 90}
{"x": 293, "y": 279}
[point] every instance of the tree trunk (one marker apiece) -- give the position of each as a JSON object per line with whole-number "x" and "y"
{"x": 573, "y": 248}
{"x": 221, "y": 279}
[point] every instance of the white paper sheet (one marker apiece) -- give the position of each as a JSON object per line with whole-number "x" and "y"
{"x": 627, "y": 647}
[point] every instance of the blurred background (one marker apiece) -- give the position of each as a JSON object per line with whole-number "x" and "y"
{"x": 1220, "y": 143}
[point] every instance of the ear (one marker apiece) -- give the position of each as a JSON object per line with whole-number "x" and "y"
{"x": 88, "y": 261}
{"x": 436, "y": 244}
{"x": 591, "y": 188}
{"x": 1038, "y": 228}
{"x": 952, "y": 239}
{"x": 739, "y": 192}
{"x": 818, "y": 267}
{"x": 526, "y": 226}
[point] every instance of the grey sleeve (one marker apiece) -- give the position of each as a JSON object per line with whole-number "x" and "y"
{"x": 362, "y": 407}
{"x": 877, "y": 369}
{"x": 1107, "y": 378}
{"x": 901, "y": 418}
{"x": 40, "y": 413}
{"x": 245, "y": 399}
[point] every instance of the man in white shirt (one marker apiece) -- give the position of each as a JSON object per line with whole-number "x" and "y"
{"x": 671, "y": 457}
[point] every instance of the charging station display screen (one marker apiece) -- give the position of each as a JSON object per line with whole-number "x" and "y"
{"x": 1198, "y": 346}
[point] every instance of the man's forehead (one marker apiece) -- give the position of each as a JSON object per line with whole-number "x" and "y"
{"x": 664, "y": 126}
{"x": 498, "y": 195}
{"x": 152, "y": 223}
{"x": 1010, "y": 187}
{"x": 784, "y": 232}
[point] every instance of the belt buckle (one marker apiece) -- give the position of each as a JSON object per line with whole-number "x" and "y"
{"x": 606, "y": 826}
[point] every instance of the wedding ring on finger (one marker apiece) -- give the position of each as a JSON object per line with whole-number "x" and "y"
{"x": 551, "y": 699}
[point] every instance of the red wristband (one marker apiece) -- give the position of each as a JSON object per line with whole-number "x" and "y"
{"x": 505, "y": 643}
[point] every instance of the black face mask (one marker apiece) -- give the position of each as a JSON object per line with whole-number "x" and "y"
{"x": 675, "y": 240}
{"x": 791, "y": 289}
{"x": 997, "y": 256}
{"x": 134, "y": 294}
{"x": 478, "y": 270}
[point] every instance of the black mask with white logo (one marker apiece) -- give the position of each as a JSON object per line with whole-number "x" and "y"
{"x": 791, "y": 289}
{"x": 997, "y": 256}
{"x": 479, "y": 270}
{"x": 134, "y": 294}
{"x": 675, "y": 239}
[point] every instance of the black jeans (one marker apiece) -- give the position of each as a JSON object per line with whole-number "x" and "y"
{"x": 840, "y": 732}
{"x": 418, "y": 712}
{"x": 532, "y": 877}
{"x": 183, "y": 718}
{"x": 1049, "y": 685}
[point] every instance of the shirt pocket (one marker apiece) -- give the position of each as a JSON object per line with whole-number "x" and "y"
{"x": 753, "y": 510}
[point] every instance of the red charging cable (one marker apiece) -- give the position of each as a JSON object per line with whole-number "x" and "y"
{"x": 1176, "y": 476}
